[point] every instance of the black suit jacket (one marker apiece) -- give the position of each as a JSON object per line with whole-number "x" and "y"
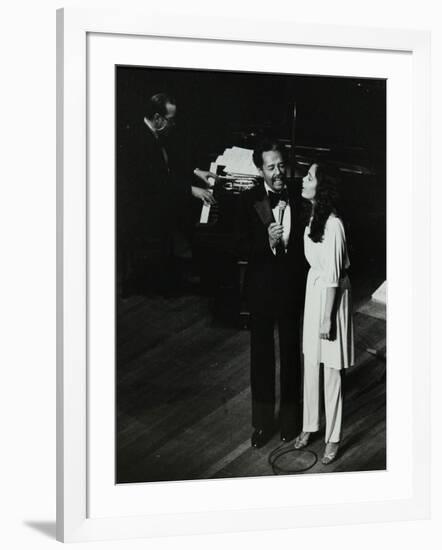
{"x": 150, "y": 192}
{"x": 273, "y": 284}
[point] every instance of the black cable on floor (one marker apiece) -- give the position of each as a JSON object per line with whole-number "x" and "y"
{"x": 283, "y": 450}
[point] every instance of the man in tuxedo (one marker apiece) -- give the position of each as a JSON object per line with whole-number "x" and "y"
{"x": 152, "y": 193}
{"x": 272, "y": 237}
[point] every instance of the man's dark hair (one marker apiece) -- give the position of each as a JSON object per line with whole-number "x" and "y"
{"x": 157, "y": 104}
{"x": 264, "y": 146}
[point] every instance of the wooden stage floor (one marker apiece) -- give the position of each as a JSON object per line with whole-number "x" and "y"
{"x": 183, "y": 397}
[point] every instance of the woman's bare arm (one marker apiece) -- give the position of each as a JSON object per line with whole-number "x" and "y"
{"x": 324, "y": 331}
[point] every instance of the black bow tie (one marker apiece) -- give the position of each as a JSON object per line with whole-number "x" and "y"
{"x": 276, "y": 197}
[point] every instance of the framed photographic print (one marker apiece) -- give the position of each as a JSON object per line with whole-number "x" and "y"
{"x": 231, "y": 206}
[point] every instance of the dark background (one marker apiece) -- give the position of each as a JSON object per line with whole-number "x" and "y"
{"x": 214, "y": 105}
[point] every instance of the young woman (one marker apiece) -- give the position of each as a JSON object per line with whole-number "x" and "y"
{"x": 328, "y": 326}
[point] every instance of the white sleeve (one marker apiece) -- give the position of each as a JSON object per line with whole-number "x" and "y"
{"x": 334, "y": 252}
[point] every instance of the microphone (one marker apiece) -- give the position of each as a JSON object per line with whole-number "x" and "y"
{"x": 282, "y": 205}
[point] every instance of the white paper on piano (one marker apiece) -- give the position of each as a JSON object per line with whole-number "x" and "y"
{"x": 238, "y": 160}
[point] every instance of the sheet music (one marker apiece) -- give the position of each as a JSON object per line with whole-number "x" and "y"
{"x": 238, "y": 160}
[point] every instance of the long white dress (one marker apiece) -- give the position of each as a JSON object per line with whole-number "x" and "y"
{"x": 328, "y": 261}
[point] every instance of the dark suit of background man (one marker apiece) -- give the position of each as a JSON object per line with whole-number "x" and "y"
{"x": 153, "y": 193}
{"x": 274, "y": 286}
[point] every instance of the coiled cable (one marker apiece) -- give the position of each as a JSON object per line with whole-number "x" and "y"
{"x": 284, "y": 450}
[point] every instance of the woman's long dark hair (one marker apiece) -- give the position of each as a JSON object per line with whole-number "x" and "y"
{"x": 326, "y": 199}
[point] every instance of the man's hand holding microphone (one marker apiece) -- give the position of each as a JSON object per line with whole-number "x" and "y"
{"x": 276, "y": 229}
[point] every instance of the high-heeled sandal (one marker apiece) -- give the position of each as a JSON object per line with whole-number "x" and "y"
{"x": 330, "y": 455}
{"x": 302, "y": 440}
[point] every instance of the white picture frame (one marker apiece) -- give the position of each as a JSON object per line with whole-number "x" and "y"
{"x": 76, "y": 399}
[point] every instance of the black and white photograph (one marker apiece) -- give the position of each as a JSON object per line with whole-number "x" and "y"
{"x": 203, "y": 207}
{"x": 251, "y": 274}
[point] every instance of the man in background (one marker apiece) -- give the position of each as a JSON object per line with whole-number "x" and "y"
{"x": 153, "y": 194}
